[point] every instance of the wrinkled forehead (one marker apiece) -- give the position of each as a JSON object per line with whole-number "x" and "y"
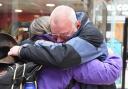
{"x": 62, "y": 25}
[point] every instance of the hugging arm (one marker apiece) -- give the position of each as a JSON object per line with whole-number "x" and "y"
{"x": 97, "y": 72}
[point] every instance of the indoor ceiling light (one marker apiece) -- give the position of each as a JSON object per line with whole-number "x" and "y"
{"x": 50, "y": 5}
{"x": 18, "y": 10}
{"x": 1, "y": 4}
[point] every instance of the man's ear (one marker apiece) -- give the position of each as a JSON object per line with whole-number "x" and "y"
{"x": 78, "y": 24}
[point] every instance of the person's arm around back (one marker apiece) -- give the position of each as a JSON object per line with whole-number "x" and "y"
{"x": 97, "y": 72}
{"x": 63, "y": 55}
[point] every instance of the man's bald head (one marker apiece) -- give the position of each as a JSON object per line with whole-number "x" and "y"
{"x": 63, "y": 20}
{"x": 63, "y": 11}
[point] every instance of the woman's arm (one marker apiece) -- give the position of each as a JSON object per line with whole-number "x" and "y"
{"x": 97, "y": 72}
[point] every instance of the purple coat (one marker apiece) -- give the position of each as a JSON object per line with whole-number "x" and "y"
{"x": 91, "y": 70}
{"x": 94, "y": 72}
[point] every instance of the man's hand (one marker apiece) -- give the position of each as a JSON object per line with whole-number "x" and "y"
{"x": 15, "y": 50}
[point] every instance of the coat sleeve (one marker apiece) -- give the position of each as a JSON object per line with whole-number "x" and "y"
{"x": 97, "y": 72}
{"x": 62, "y": 55}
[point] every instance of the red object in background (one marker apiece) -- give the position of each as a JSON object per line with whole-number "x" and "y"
{"x": 6, "y": 18}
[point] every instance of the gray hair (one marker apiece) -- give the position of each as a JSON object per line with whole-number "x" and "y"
{"x": 40, "y": 25}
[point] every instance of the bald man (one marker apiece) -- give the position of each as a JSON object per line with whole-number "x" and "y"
{"x": 64, "y": 26}
{"x": 68, "y": 25}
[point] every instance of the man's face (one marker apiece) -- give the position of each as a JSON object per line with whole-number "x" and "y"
{"x": 61, "y": 31}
